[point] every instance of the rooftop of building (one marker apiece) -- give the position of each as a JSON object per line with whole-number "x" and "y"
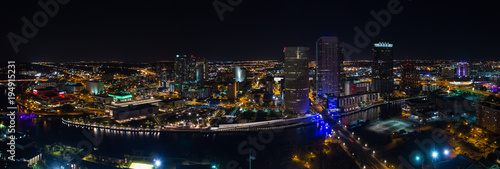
{"x": 73, "y": 84}
{"x": 121, "y": 95}
{"x": 133, "y": 107}
{"x": 102, "y": 95}
{"x": 492, "y": 101}
{"x": 358, "y": 94}
{"x": 28, "y": 153}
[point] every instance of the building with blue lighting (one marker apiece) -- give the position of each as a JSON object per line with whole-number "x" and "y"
{"x": 329, "y": 61}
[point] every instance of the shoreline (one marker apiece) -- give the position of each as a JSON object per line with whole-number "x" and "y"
{"x": 302, "y": 121}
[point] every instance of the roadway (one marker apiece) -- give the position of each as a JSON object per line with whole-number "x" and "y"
{"x": 135, "y": 102}
{"x": 363, "y": 155}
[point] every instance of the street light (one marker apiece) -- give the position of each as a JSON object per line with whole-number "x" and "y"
{"x": 446, "y": 152}
{"x": 434, "y": 154}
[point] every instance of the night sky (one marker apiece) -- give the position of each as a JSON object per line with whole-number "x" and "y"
{"x": 143, "y": 31}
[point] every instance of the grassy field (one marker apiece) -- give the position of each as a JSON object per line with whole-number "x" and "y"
{"x": 390, "y": 126}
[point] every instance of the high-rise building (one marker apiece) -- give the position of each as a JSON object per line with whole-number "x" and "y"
{"x": 382, "y": 68}
{"x": 200, "y": 74}
{"x": 447, "y": 72}
{"x": 488, "y": 114}
{"x": 353, "y": 87}
{"x": 296, "y": 80}
{"x": 329, "y": 59}
{"x": 202, "y": 69}
{"x": 185, "y": 68}
{"x": 164, "y": 70}
{"x": 185, "y": 72}
{"x": 410, "y": 81}
{"x": 462, "y": 69}
{"x": 269, "y": 83}
{"x": 232, "y": 91}
{"x": 239, "y": 74}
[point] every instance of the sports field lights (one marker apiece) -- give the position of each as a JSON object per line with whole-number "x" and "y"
{"x": 157, "y": 163}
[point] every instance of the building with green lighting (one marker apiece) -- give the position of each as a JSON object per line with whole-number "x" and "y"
{"x": 119, "y": 97}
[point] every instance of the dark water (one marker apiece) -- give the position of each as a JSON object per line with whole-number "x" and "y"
{"x": 382, "y": 112}
{"x": 174, "y": 148}
{"x": 276, "y": 148}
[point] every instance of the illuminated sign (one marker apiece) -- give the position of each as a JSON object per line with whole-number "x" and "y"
{"x": 383, "y": 45}
{"x": 461, "y": 83}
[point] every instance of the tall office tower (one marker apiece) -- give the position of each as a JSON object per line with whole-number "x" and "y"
{"x": 191, "y": 68}
{"x": 180, "y": 68}
{"x": 163, "y": 77}
{"x": 185, "y": 68}
{"x": 410, "y": 80}
{"x": 382, "y": 68}
{"x": 448, "y": 72}
{"x": 329, "y": 60}
{"x": 296, "y": 80}
{"x": 185, "y": 72}
{"x": 164, "y": 70}
{"x": 462, "y": 69}
{"x": 201, "y": 69}
{"x": 199, "y": 74}
{"x": 232, "y": 91}
{"x": 269, "y": 83}
{"x": 239, "y": 74}
{"x": 205, "y": 68}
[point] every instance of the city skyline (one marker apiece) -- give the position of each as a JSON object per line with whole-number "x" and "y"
{"x": 236, "y": 84}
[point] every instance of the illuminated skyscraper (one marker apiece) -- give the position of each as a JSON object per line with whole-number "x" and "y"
{"x": 202, "y": 69}
{"x": 239, "y": 74}
{"x": 462, "y": 69}
{"x": 185, "y": 72}
{"x": 382, "y": 68}
{"x": 329, "y": 59}
{"x": 296, "y": 80}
